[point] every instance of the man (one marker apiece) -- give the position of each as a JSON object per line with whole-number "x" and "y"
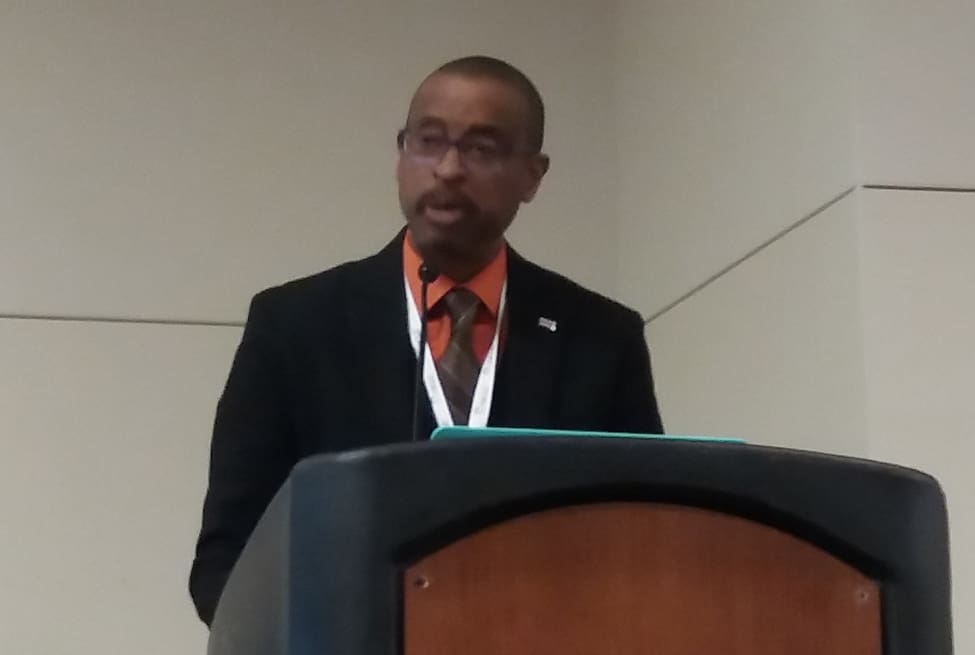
{"x": 326, "y": 363}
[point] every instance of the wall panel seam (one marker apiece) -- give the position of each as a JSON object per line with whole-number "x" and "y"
{"x": 118, "y": 320}
{"x": 748, "y": 255}
{"x": 908, "y": 187}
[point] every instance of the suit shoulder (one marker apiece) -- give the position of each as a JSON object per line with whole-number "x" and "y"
{"x": 299, "y": 290}
{"x": 325, "y": 292}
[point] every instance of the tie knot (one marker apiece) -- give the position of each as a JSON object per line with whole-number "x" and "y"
{"x": 462, "y": 305}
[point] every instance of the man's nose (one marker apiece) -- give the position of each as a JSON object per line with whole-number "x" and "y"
{"x": 450, "y": 166}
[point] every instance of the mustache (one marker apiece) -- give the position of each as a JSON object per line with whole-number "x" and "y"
{"x": 441, "y": 197}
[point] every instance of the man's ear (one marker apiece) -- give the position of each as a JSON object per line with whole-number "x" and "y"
{"x": 537, "y": 167}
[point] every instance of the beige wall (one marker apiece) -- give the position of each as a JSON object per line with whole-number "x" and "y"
{"x": 848, "y": 333}
{"x": 104, "y": 456}
{"x": 915, "y": 92}
{"x": 165, "y": 160}
{"x": 919, "y": 315}
{"x": 772, "y": 352}
{"x": 735, "y": 122}
{"x": 916, "y": 100}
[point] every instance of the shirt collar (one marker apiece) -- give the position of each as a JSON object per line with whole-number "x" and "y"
{"x": 487, "y": 284}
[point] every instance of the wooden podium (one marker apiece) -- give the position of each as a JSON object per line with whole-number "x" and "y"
{"x": 513, "y": 546}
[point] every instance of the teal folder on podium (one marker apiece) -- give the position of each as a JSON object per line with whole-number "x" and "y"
{"x": 462, "y": 432}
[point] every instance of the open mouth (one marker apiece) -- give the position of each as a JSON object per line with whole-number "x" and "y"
{"x": 445, "y": 212}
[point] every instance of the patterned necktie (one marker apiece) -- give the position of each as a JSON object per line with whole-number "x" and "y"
{"x": 459, "y": 367}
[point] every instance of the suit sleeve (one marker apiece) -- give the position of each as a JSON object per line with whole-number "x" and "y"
{"x": 636, "y": 401}
{"x": 251, "y": 455}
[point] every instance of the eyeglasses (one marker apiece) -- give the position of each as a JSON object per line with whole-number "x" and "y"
{"x": 479, "y": 155}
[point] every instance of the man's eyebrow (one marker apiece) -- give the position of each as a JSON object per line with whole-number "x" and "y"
{"x": 492, "y": 131}
{"x": 483, "y": 130}
{"x": 429, "y": 121}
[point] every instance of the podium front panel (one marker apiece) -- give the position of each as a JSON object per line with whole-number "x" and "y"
{"x": 332, "y": 565}
{"x": 637, "y": 578}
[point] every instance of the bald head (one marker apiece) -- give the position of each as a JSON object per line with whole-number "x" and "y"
{"x": 483, "y": 67}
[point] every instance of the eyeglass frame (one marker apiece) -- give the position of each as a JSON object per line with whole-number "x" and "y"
{"x": 458, "y": 144}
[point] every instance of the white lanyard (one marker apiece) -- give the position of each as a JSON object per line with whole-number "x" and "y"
{"x": 483, "y": 392}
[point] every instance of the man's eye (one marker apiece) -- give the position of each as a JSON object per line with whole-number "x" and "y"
{"x": 430, "y": 140}
{"x": 483, "y": 150}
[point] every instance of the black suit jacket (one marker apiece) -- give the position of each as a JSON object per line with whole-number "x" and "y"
{"x": 325, "y": 364}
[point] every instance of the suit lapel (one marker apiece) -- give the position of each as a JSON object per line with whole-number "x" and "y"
{"x": 528, "y": 373}
{"x": 386, "y": 364}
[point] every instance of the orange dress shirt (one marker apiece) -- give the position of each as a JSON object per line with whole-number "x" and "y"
{"x": 487, "y": 285}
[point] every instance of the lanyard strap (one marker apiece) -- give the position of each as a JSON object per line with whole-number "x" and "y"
{"x": 483, "y": 392}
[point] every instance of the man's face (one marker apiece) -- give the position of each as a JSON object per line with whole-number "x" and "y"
{"x": 458, "y": 203}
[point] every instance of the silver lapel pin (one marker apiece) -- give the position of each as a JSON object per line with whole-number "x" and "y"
{"x": 548, "y": 324}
